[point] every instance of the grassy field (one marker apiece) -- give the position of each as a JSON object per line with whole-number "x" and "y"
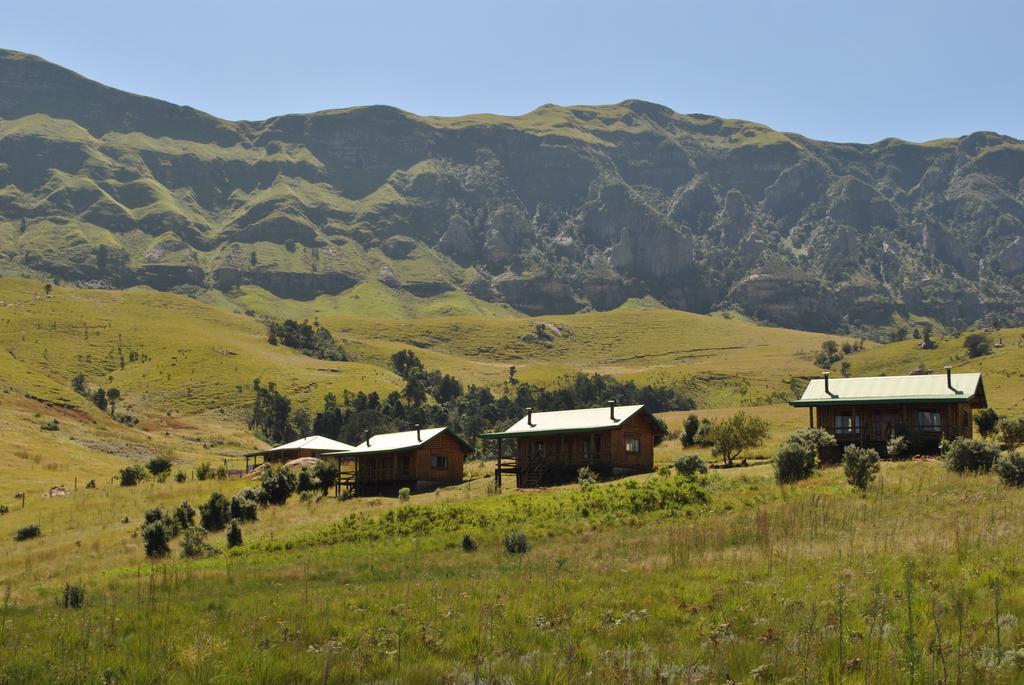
{"x": 735, "y": 580}
{"x": 731, "y": 579}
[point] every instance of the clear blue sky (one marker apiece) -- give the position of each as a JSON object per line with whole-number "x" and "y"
{"x": 847, "y": 71}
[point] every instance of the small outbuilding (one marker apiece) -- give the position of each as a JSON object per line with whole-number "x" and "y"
{"x": 417, "y": 459}
{"x": 315, "y": 446}
{"x": 551, "y": 447}
{"x": 868, "y": 411}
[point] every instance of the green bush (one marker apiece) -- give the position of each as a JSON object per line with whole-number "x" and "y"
{"x": 586, "y": 477}
{"x": 690, "y": 428}
{"x": 73, "y": 596}
{"x": 690, "y": 465}
{"x": 234, "y": 534}
{"x": 204, "y": 471}
{"x": 468, "y": 543}
{"x": 278, "y": 482}
{"x": 1010, "y": 469}
{"x": 180, "y": 477}
{"x": 795, "y": 461}
{"x": 1011, "y": 432}
{"x": 215, "y": 513}
{"x": 327, "y": 473}
{"x": 978, "y": 344}
{"x": 184, "y": 516}
{"x": 159, "y": 465}
{"x": 307, "y": 481}
{"x": 987, "y": 421}
{"x": 897, "y": 447}
{"x": 515, "y": 542}
{"x": 962, "y": 455}
{"x": 404, "y": 494}
{"x": 861, "y": 465}
{"x": 245, "y": 505}
{"x": 28, "y": 532}
{"x": 154, "y": 539}
{"x": 194, "y": 545}
{"x": 132, "y": 475}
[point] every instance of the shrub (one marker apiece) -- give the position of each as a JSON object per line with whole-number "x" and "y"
{"x": 154, "y": 539}
{"x": 795, "y": 461}
{"x": 180, "y": 477}
{"x": 1011, "y": 431}
{"x": 52, "y": 425}
{"x": 860, "y": 464}
{"x": 159, "y": 465}
{"x": 4, "y": 509}
{"x": 468, "y": 543}
{"x": 234, "y": 534}
{"x": 987, "y": 421}
{"x": 690, "y": 428}
{"x": 690, "y": 465}
{"x": 132, "y": 475}
{"x": 28, "y": 532}
{"x": 245, "y": 505}
{"x": 91, "y": 485}
{"x": 220, "y": 473}
{"x": 814, "y": 438}
{"x": 731, "y": 436}
{"x": 586, "y": 477}
{"x": 327, "y": 473}
{"x": 968, "y": 456}
{"x": 404, "y": 494}
{"x": 897, "y": 447}
{"x": 204, "y": 471}
{"x": 278, "y": 483}
{"x": 194, "y": 545}
{"x": 515, "y": 542}
{"x": 1010, "y": 469}
{"x": 978, "y": 344}
{"x": 215, "y": 513}
{"x": 73, "y": 596}
{"x": 184, "y": 516}
{"x": 307, "y": 481}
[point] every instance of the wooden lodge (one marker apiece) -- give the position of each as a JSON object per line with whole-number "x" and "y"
{"x": 550, "y": 447}
{"x": 416, "y": 459}
{"x": 315, "y": 446}
{"x": 868, "y": 411}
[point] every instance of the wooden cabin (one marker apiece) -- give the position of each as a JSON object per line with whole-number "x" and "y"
{"x": 416, "y": 459}
{"x": 868, "y": 411}
{"x": 315, "y": 446}
{"x": 550, "y": 447}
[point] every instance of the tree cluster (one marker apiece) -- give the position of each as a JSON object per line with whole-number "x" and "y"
{"x": 312, "y": 340}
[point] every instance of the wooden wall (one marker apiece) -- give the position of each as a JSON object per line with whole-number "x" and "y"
{"x": 444, "y": 445}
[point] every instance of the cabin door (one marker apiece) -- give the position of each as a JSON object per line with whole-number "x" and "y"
{"x": 883, "y": 426}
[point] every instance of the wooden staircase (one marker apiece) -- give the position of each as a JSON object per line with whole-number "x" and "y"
{"x": 533, "y": 474}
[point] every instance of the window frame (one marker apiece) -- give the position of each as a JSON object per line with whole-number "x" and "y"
{"x": 439, "y": 461}
{"x": 633, "y": 439}
{"x": 929, "y": 426}
{"x": 854, "y": 427}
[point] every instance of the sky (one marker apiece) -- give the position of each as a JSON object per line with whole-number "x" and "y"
{"x": 851, "y": 71}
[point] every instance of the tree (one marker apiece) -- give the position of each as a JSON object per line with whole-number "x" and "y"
{"x": 415, "y": 392}
{"x": 159, "y": 464}
{"x": 278, "y": 483}
{"x": 1011, "y": 430}
{"x": 405, "y": 362}
{"x": 987, "y": 421}
{"x": 23, "y": 226}
{"x": 113, "y": 395}
{"x": 234, "y": 534}
{"x": 512, "y": 375}
{"x": 47, "y": 289}
{"x": 861, "y": 465}
{"x": 741, "y": 431}
{"x": 828, "y": 355}
{"x": 252, "y": 258}
{"x": 215, "y": 513}
{"x": 978, "y": 344}
{"x": 690, "y": 428}
{"x": 99, "y": 398}
{"x": 154, "y": 539}
{"x": 78, "y": 384}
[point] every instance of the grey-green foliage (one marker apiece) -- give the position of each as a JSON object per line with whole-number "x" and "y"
{"x": 1011, "y": 432}
{"x": 1010, "y": 469}
{"x": 897, "y": 447}
{"x": 861, "y": 465}
{"x": 795, "y": 461}
{"x": 690, "y": 465}
{"x": 963, "y": 455}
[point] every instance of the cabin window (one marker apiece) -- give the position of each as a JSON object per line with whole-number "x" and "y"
{"x": 632, "y": 445}
{"x": 929, "y": 422}
{"x": 438, "y": 461}
{"x": 403, "y": 463}
{"x": 847, "y": 423}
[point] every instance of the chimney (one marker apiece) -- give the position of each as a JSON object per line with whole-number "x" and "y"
{"x": 949, "y": 378}
{"x": 529, "y": 417}
{"x": 418, "y": 438}
{"x": 367, "y": 438}
{"x": 611, "y": 409}
{"x": 825, "y": 375}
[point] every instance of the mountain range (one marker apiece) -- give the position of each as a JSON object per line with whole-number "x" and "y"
{"x": 555, "y": 211}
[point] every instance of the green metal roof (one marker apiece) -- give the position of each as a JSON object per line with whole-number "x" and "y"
{"x": 568, "y": 421}
{"x": 937, "y": 388}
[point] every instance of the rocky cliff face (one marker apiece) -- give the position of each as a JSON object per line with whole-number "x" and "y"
{"x": 558, "y": 210}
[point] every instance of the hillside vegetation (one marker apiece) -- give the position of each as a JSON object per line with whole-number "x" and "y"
{"x": 380, "y": 213}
